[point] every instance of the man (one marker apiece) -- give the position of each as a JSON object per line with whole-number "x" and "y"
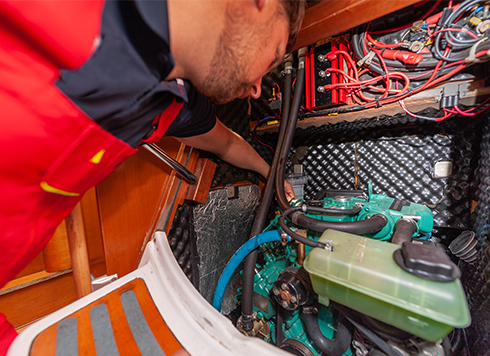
{"x": 84, "y": 83}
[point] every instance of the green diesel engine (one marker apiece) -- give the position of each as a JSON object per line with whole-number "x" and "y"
{"x": 328, "y": 301}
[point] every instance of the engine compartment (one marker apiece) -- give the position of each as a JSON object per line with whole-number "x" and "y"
{"x": 312, "y": 301}
{"x": 350, "y": 271}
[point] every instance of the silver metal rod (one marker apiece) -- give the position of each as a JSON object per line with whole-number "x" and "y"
{"x": 184, "y": 172}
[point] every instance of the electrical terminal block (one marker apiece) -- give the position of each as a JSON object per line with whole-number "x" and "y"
{"x": 450, "y": 96}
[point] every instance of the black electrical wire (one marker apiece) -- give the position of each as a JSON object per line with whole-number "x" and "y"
{"x": 449, "y": 37}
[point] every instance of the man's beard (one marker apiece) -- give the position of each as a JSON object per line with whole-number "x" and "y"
{"x": 228, "y": 67}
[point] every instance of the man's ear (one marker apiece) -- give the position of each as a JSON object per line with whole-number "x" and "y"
{"x": 260, "y": 4}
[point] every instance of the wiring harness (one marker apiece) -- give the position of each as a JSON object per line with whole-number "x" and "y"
{"x": 387, "y": 66}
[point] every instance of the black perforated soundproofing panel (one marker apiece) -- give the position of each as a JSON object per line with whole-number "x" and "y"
{"x": 402, "y": 168}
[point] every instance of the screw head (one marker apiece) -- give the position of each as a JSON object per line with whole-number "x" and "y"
{"x": 275, "y": 291}
{"x": 293, "y": 299}
{"x": 284, "y": 304}
{"x": 284, "y": 286}
{"x": 321, "y": 58}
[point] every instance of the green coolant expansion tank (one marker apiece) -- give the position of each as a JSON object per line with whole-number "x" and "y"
{"x": 361, "y": 274}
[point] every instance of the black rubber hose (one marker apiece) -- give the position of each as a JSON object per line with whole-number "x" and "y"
{"x": 295, "y": 236}
{"x": 335, "y": 347}
{"x": 368, "y": 226}
{"x": 261, "y": 215}
{"x": 404, "y": 229}
{"x": 288, "y": 139}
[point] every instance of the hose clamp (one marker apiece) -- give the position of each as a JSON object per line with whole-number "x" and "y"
{"x": 328, "y": 245}
{"x": 284, "y": 238}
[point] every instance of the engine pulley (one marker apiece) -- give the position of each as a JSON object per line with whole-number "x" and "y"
{"x": 292, "y": 289}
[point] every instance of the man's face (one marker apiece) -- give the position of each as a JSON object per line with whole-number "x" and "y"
{"x": 247, "y": 50}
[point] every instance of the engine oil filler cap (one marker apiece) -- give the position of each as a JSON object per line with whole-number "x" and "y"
{"x": 427, "y": 262}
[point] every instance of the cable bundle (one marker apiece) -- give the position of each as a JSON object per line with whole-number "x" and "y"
{"x": 394, "y": 64}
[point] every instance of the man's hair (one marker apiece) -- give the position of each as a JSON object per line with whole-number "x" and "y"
{"x": 294, "y": 11}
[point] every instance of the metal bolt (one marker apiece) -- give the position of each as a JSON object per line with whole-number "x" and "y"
{"x": 293, "y": 299}
{"x": 322, "y": 74}
{"x": 284, "y": 286}
{"x": 275, "y": 291}
{"x": 416, "y": 46}
{"x": 320, "y": 89}
{"x": 321, "y": 58}
{"x": 284, "y": 304}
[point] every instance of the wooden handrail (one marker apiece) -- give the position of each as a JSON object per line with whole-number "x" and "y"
{"x": 78, "y": 252}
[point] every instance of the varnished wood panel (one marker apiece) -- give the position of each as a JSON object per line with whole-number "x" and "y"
{"x": 331, "y": 17}
{"x": 36, "y": 265}
{"x": 57, "y": 252}
{"x": 128, "y": 204}
{"x": 31, "y": 303}
{"x": 204, "y": 171}
{"x": 173, "y": 195}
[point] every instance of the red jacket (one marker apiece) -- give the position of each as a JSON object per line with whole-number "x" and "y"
{"x": 51, "y": 151}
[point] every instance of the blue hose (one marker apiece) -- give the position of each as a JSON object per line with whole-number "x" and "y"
{"x": 237, "y": 258}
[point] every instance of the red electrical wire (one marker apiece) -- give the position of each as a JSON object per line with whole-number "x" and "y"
{"x": 255, "y": 136}
{"x": 455, "y": 30}
{"x": 468, "y": 113}
{"x": 428, "y": 83}
{"x": 278, "y": 89}
{"x": 447, "y": 113}
{"x": 365, "y": 83}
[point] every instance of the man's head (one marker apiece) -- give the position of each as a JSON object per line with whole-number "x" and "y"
{"x": 253, "y": 41}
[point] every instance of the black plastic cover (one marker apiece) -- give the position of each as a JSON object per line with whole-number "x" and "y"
{"x": 427, "y": 262}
